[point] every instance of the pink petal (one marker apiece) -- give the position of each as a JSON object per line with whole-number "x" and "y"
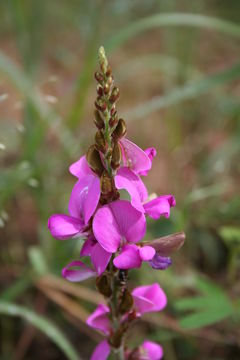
{"x": 129, "y": 258}
{"x": 80, "y": 168}
{"x": 84, "y": 198}
{"x": 101, "y": 352}
{"x": 128, "y": 180}
{"x": 82, "y": 271}
{"x": 151, "y": 153}
{"x": 146, "y": 253}
{"x": 160, "y": 206}
{"x": 152, "y": 350}
{"x": 99, "y": 319}
{"x": 149, "y": 298}
{"x": 100, "y": 258}
{"x": 88, "y": 246}
{"x": 134, "y": 157}
{"x": 63, "y": 227}
{"x": 117, "y": 222}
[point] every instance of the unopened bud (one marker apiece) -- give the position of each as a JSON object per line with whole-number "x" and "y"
{"x": 100, "y": 90}
{"x": 94, "y": 160}
{"x": 99, "y": 77}
{"x": 126, "y": 302}
{"x": 99, "y": 122}
{"x": 100, "y": 141}
{"x": 113, "y": 120}
{"x": 116, "y": 338}
{"x": 106, "y": 183}
{"x": 106, "y": 89}
{"x": 120, "y": 130}
{"x": 116, "y": 156}
{"x": 109, "y": 71}
{"x": 103, "y": 285}
{"x": 114, "y": 95}
{"x": 100, "y": 104}
{"x": 166, "y": 245}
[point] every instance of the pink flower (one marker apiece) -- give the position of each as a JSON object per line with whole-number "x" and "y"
{"x": 77, "y": 271}
{"x": 150, "y": 350}
{"x": 99, "y": 319}
{"x": 118, "y": 223}
{"x": 149, "y": 298}
{"x": 151, "y": 153}
{"x": 131, "y": 182}
{"x": 83, "y": 203}
{"x": 102, "y": 351}
{"x": 132, "y": 256}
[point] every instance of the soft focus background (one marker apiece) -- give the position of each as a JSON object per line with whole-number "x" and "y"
{"x": 177, "y": 65}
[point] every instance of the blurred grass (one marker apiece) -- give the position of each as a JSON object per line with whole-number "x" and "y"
{"x": 178, "y": 71}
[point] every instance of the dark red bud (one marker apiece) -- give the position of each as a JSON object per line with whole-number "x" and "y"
{"x": 109, "y": 71}
{"x": 116, "y": 156}
{"x": 99, "y": 77}
{"x": 100, "y": 141}
{"x": 100, "y": 105}
{"x": 100, "y": 90}
{"x": 99, "y": 122}
{"x": 114, "y": 95}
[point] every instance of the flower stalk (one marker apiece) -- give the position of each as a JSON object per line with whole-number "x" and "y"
{"x": 113, "y": 228}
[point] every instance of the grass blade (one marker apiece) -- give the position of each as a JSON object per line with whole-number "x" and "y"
{"x": 172, "y": 19}
{"x": 42, "y": 324}
{"x": 186, "y": 92}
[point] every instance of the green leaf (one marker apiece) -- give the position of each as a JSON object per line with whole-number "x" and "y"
{"x": 16, "y": 289}
{"x": 171, "y": 19}
{"x": 47, "y": 327}
{"x": 205, "y": 318}
{"x": 230, "y": 234}
{"x": 186, "y": 92}
{"x": 37, "y": 260}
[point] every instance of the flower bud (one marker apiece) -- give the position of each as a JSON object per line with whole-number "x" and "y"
{"x": 109, "y": 71}
{"x": 126, "y": 302}
{"x": 114, "y": 95}
{"x": 113, "y": 120}
{"x": 99, "y": 90}
{"x": 106, "y": 89}
{"x": 103, "y": 285}
{"x": 99, "y": 122}
{"x": 100, "y": 141}
{"x": 116, "y": 338}
{"x": 106, "y": 183}
{"x": 116, "y": 156}
{"x": 99, "y": 77}
{"x": 120, "y": 130}
{"x": 94, "y": 160}
{"x": 100, "y": 104}
{"x": 166, "y": 245}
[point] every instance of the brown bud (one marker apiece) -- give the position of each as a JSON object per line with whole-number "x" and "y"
{"x": 113, "y": 120}
{"x": 113, "y": 110}
{"x": 100, "y": 104}
{"x": 103, "y": 285}
{"x": 114, "y": 95}
{"x": 99, "y": 77}
{"x": 109, "y": 71}
{"x": 110, "y": 80}
{"x": 106, "y": 183}
{"x": 100, "y": 141}
{"x": 99, "y": 122}
{"x": 120, "y": 130}
{"x": 94, "y": 160}
{"x": 106, "y": 89}
{"x": 116, "y": 156}
{"x": 126, "y": 302}
{"x": 116, "y": 338}
{"x": 167, "y": 244}
{"x": 100, "y": 90}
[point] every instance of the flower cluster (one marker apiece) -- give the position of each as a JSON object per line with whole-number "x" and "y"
{"x": 113, "y": 228}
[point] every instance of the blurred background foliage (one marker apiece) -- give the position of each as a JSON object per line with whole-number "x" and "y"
{"x": 177, "y": 65}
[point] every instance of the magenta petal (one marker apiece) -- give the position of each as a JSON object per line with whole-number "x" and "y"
{"x": 88, "y": 246}
{"x": 118, "y": 221}
{"x": 129, "y": 258}
{"x": 146, "y": 253}
{"x": 102, "y": 351}
{"x": 149, "y": 298}
{"x": 77, "y": 271}
{"x": 152, "y": 350}
{"x": 99, "y": 319}
{"x": 128, "y": 180}
{"x": 134, "y": 157}
{"x": 106, "y": 229}
{"x": 80, "y": 168}
{"x": 84, "y": 198}
{"x": 100, "y": 258}
{"x": 131, "y": 223}
{"x": 151, "y": 153}
{"x": 160, "y": 206}
{"x": 63, "y": 227}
